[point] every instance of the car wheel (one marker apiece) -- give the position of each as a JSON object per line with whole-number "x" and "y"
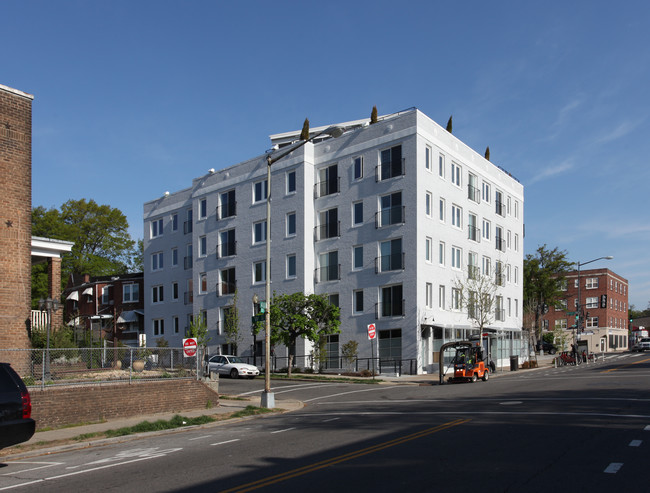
{"x": 234, "y": 373}
{"x": 474, "y": 377}
{"x": 486, "y": 375}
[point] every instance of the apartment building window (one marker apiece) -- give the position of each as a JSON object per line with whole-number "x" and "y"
{"x": 486, "y": 229}
{"x": 456, "y": 174}
{"x": 427, "y": 158}
{"x": 592, "y": 302}
{"x": 392, "y": 304}
{"x": 561, "y": 305}
{"x": 561, "y": 324}
{"x": 174, "y": 291}
{"x": 203, "y": 208}
{"x": 516, "y": 208}
{"x": 428, "y": 204}
{"x": 227, "y": 243}
{"x": 516, "y": 307}
{"x": 508, "y": 239}
{"x": 188, "y": 225}
{"x": 516, "y": 275}
{"x": 174, "y": 222}
{"x": 106, "y": 295}
{"x": 391, "y": 163}
{"x": 456, "y": 299}
{"x": 357, "y": 257}
{"x": 203, "y": 283}
{"x": 357, "y": 213}
{"x": 358, "y": 167}
{"x": 498, "y": 203}
{"x": 329, "y": 266}
{"x": 456, "y": 216}
{"x": 592, "y": 322}
{"x": 203, "y": 246}
{"x": 174, "y": 257}
{"x": 487, "y": 267}
{"x": 428, "y": 247}
{"x": 158, "y": 326}
{"x": 473, "y": 192}
{"x": 592, "y": 283}
{"x": 473, "y": 269}
{"x": 391, "y": 255}
{"x": 291, "y": 181}
{"x": 508, "y": 203}
{"x": 516, "y": 242}
{"x": 228, "y": 281}
{"x": 130, "y": 293}
{"x": 291, "y": 266}
{"x": 328, "y": 181}
{"x": 499, "y": 313}
{"x": 189, "y": 294}
{"x": 441, "y": 253}
{"x": 357, "y": 301}
{"x": 227, "y": 205}
{"x": 259, "y": 232}
{"x": 391, "y": 209}
{"x": 390, "y": 345}
{"x": 456, "y": 257}
{"x": 157, "y": 294}
{"x": 156, "y": 228}
{"x": 441, "y": 209}
{"x": 175, "y": 325}
{"x": 291, "y": 224}
{"x": 486, "y": 192}
{"x": 330, "y": 225}
{"x": 260, "y": 191}
{"x": 441, "y": 165}
{"x": 500, "y": 243}
{"x": 473, "y": 233}
{"x": 428, "y": 293}
{"x": 259, "y": 272}
{"x": 499, "y": 277}
{"x": 441, "y": 297}
{"x": 157, "y": 261}
{"x": 509, "y": 307}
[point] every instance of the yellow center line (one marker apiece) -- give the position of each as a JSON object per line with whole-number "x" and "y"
{"x": 625, "y": 366}
{"x": 341, "y": 458}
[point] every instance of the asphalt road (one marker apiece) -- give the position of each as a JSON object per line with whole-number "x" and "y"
{"x": 581, "y": 428}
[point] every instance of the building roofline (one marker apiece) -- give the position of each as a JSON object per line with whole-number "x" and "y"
{"x": 17, "y": 92}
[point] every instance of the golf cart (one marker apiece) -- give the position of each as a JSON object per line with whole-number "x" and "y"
{"x": 468, "y": 362}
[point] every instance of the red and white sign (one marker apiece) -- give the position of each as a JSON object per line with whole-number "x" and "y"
{"x": 189, "y": 347}
{"x": 372, "y": 331}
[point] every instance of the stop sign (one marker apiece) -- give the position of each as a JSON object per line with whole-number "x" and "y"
{"x": 372, "y": 331}
{"x": 189, "y": 347}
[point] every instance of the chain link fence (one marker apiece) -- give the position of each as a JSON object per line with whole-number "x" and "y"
{"x": 43, "y": 367}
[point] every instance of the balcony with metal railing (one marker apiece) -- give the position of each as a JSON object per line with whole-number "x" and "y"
{"x": 390, "y": 169}
{"x": 499, "y": 244}
{"x": 327, "y": 187}
{"x": 500, "y": 208}
{"x": 226, "y": 210}
{"x": 390, "y": 216}
{"x": 473, "y": 272}
{"x": 500, "y": 315}
{"x": 327, "y": 230}
{"x": 329, "y": 273}
{"x": 388, "y": 263}
{"x": 225, "y": 288}
{"x": 188, "y": 262}
{"x": 227, "y": 249}
{"x": 187, "y": 227}
{"x": 473, "y": 193}
{"x": 473, "y": 233}
{"x": 389, "y": 309}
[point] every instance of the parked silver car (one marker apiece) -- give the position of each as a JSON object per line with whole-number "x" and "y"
{"x": 642, "y": 345}
{"x": 233, "y": 366}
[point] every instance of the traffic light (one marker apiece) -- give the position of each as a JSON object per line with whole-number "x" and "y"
{"x": 603, "y": 301}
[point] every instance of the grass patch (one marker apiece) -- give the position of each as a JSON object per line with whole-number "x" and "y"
{"x": 231, "y": 398}
{"x": 251, "y": 411}
{"x": 177, "y": 421}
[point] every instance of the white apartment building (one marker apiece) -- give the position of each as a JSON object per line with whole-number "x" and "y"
{"x": 384, "y": 219}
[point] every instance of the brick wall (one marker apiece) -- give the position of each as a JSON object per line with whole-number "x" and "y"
{"x": 56, "y": 407}
{"x": 15, "y": 217}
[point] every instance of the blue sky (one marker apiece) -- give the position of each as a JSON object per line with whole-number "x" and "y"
{"x": 133, "y": 98}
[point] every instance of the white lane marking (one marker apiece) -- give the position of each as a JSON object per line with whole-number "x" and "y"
{"x": 454, "y": 401}
{"x": 223, "y": 443}
{"x": 613, "y": 468}
{"x": 296, "y": 387}
{"x": 21, "y": 485}
{"x": 282, "y": 431}
{"x": 636, "y": 443}
{"x": 332, "y": 419}
{"x": 476, "y": 413}
{"x": 47, "y": 464}
{"x": 199, "y": 438}
{"x": 383, "y": 387}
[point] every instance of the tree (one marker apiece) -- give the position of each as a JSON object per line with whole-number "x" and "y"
{"x": 449, "y": 125}
{"x": 304, "y": 135}
{"x": 350, "y": 350}
{"x": 477, "y": 296}
{"x": 298, "y": 315}
{"x": 102, "y": 244}
{"x": 543, "y": 281}
{"x": 199, "y": 330}
{"x": 373, "y": 115}
{"x": 487, "y": 153}
{"x": 231, "y": 324}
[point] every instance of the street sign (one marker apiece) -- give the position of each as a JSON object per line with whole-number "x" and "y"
{"x": 260, "y": 317}
{"x": 372, "y": 331}
{"x": 189, "y": 347}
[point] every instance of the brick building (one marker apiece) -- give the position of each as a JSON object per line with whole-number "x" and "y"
{"x": 15, "y": 216}
{"x": 604, "y": 315}
{"x": 94, "y": 306}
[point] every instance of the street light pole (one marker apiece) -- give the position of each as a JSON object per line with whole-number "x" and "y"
{"x": 268, "y": 398}
{"x": 579, "y": 307}
{"x": 48, "y": 305}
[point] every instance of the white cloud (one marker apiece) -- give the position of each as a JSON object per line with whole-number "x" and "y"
{"x": 551, "y": 171}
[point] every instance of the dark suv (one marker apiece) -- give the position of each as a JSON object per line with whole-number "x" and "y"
{"x": 16, "y": 423}
{"x": 546, "y": 346}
